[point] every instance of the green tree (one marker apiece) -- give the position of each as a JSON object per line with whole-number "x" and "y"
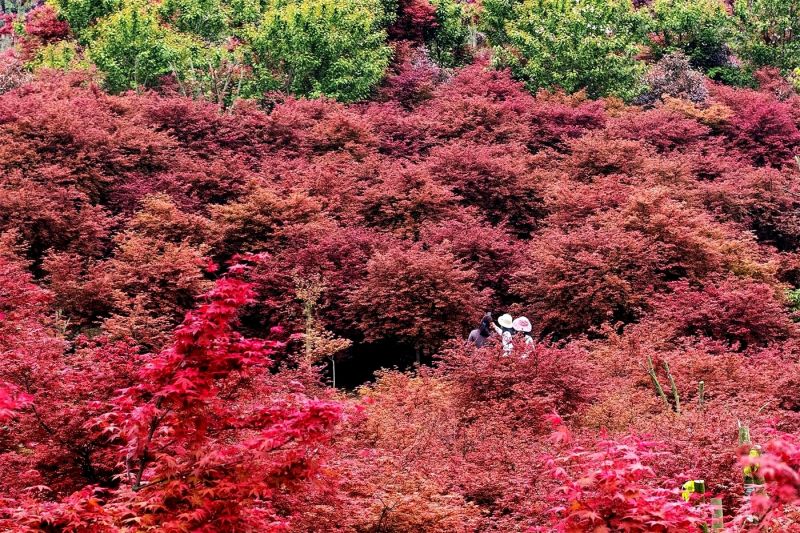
{"x": 700, "y": 29}
{"x": 61, "y": 55}
{"x": 495, "y": 15}
{"x": 769, "y": 32}
{"x": 313, "y": 48}
{"x": 793, "y": 299}
{"x": 132, "y": 48}
{"x": 574, "y": 45}
{"x": 81, "y": 14}
{"x": 244, "y": 12}
{"x": 448, "y": 46}
{"x": 208, "y": 19}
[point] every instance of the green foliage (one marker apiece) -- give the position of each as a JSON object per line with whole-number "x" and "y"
{"x": 62, "y": 55}
{"x": 793, "y": 298}
{"x": 698, "y": 28}
{"x": 388, "y": 12}
{"x": 574, "y": 45}
{"x": 494, "y": 17}
{"x": 737, "y": 76}
{"x": 204, "y": 18}
{"x": 244, "y": 12}
{"x": 448, "y": 45}
{"x": 81, "y": 14}
{"x": 132, "y": 48}
{"x": 769, "y": 32}
{"x": 316, "y": 48}
{"x": 215, "y": 73}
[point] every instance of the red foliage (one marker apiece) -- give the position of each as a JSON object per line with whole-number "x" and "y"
{"x": 180, "y": 418}
{"x": 742, "y": 313}
{"x": 8, "y": 23}
{"x": 494, "y": 178}
{"x": 403, "y": 199}
{"x": 779, "y": 466}
{"x": 490, "y": 249}
{"x": 416, "y": 19}
{"x": 762, "y": 128}
{"x": 432, "y": 297}
{"x": 576, "y": 280}
{"x": 611, "y": 487}
{"x": 413, "y": 77}
{"x": 629, "y": 234}
{"x": 43, "y": 22}
{"x": 665, "y": 130}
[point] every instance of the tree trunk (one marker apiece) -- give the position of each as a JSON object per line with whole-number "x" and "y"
{"x": 333, "y": 371}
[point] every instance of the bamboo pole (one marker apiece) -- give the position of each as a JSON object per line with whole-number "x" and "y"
{"x": 717, "y": 520}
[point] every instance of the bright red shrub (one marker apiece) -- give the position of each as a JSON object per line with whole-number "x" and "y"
{"x": 598, "y": 154}
{"x": 556, "y": 118}
{"x": 493, "y": 178}
{"x": 664, "y": 129}
{"x": 611, "y": 487}
{"x": 427, "y": 297}
{"x": 403, "y": 198}
{"x": 775, "y": 507}
{"x": 480, "y": 105}
{"x": 490, "y": 249}
{"x": 81, "y": 289}
{"x": 762, "y": 128}
{"x": 662, "y": 233}
{"x": 518, "y": 390}
{"x": 312, "y": 127}
{"x": 416, "y": 19}
{"x": 263, "y": 219}
{"x": 738, "y": 311}
{"x": 764, "y": 200}
{"x": 412, "y": 79}
{"x": 179, "y": 395}
{"x": 574, "y": 281}
{"x": 43, "y": 22}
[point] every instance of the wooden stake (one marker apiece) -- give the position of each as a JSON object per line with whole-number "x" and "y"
{"x": 674, "y": 389}
{"x": 654, "y": 378}
{"x": 701, "y": 393}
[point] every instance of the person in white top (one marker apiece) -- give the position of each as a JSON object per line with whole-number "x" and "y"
{"x": 522, "y": 327}
{"x": 506, "y": 330}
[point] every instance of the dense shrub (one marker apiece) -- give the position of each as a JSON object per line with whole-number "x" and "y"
{"x": 348, "y": 237}
{"x": 416, "y": 280}
{"x": 333, "y": 49}
{"x": 672, "y": 76}
{"x": 768, "y": 32}
{"x": 701, "y": 29}
{"x": 742, "y": 313}
{"x": 581, "y": 45}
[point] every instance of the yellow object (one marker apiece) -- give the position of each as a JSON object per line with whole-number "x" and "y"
{"x": 688, "y": 490}
{"x": 751, "y": 469}
{"x": 691, "y": 487}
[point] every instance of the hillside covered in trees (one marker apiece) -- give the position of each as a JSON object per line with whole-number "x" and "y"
{"x": 242, "y": 244}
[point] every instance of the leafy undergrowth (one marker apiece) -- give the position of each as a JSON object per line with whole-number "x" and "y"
{"x": 173, "y": 281}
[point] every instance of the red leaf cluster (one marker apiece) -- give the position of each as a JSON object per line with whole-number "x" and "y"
{"x": 149, "y": 244}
